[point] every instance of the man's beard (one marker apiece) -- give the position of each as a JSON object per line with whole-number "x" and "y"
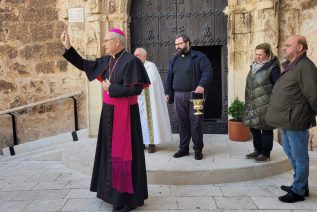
{"x": 181, "y": 51}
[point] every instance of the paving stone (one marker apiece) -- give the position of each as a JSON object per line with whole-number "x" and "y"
{"x": 50, "y": 185}
{"x": 85, "y": 184}
{"x": 13, "y": 206}
{"x": 248, "y": 191}
{"x": 23, "y": 186}
{"x": 160, "y": 203}
{"x": 71, "y": 176}
{"x": 195, "y": 191}
{"x": 42, "y": 194}
{"x": 158, "y": 190}
{"x": 44, "y": 177}
{"x": 80, "y": 194}
{"x": 45, "y": 205}
{"x": 196, "y": 203}
{"x": 8, "y": 195}
{"x": 235, "y": 203}
{"x": 82, "y": 205}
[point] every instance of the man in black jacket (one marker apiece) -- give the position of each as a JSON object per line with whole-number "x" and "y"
{"x": 189, "y": 71}
{"x": 292, "y": 107}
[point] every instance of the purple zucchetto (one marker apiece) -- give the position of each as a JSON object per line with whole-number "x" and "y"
{"x": 118, "y": 31}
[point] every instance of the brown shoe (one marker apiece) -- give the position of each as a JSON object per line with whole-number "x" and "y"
{"x": 151, "y": 148}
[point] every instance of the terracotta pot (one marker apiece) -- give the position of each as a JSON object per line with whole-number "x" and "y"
{"x": 238, "y": 131}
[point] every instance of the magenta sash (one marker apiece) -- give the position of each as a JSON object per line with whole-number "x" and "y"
{"x": 121, "y": 142}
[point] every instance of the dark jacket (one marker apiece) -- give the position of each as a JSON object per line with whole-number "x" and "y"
{"x": 293, "y": 103}
{"x": 200, "y": 72}
{"x": 258, "y": 90}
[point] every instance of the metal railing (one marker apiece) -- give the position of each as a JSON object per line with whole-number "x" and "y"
{"x": 16, "y": 109}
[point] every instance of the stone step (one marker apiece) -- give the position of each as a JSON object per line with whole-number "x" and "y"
{"x": 224, "y": 161}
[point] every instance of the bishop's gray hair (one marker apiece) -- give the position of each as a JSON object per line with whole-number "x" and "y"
{"x": 122, "y": 39}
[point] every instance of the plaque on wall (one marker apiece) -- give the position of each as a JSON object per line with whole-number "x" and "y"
{"x": 75, "y": 15}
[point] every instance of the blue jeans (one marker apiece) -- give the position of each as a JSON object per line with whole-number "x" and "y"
{"x": 295, "y": 145}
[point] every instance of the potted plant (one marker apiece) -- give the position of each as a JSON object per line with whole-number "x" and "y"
{"x": 236, "y": 129}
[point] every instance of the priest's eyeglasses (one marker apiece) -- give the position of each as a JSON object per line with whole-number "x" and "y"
{"x": 178, "y": 44}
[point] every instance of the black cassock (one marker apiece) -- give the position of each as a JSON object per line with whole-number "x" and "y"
{"x": 128, "y": 77}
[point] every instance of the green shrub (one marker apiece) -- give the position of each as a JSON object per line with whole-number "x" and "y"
{"x": 236, "y": 109}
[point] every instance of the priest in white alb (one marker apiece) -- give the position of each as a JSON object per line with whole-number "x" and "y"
{"x": 155, "y": 122}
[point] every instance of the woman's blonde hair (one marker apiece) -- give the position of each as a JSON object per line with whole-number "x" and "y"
{"x": 267, "y": 49}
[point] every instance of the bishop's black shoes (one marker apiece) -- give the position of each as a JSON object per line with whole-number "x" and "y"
{"x": 291, "y": 197}
{"x": 127, "y": 208}
{"x": 118, "y": 209}
{"x": 288, "y": 188}
{"x": 181, "y": 153}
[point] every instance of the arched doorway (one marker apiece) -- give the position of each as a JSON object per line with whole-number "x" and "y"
{"x": 154, "y": 25}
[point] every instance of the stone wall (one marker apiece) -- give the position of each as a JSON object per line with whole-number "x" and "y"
{"x": 32, "y": 69}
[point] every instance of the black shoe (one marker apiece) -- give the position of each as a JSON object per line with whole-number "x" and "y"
{"x": 288, "y": 188}
{"x": 118, "y": 209}
{"x": 181, "y": 153}
{"x": 252, "y": 155}
{"x": 261, "y": 158}
{"x": 129, "y": 208}
{"x": 291, "y": 197}
{"x": 151, "y": 148}
{"x": 198, "y": 155}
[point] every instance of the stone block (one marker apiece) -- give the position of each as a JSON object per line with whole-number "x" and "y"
{"x": 7, "y": 87}
{"x": 39, "y": 3}
{"x": 54, "y": 49}
{"x": 35, "y": 14}
{"x": 8, "y": 51}
{"x": 9, "y": 16}
{"x": 32, "y": 87}
{"x": 15, "y": 1}
{"x": 17, "y": 31}
{"x": 46, "y": 67}
{"x": 61, "y": 66}
{"x": 32, "y": 51}
{"x": 17, "y": 70}
{"x": 41, "y": 32}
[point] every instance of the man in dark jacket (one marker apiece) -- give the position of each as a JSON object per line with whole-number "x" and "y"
{"x": 292, "y": 107}
{"x": 189, "y": 71}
